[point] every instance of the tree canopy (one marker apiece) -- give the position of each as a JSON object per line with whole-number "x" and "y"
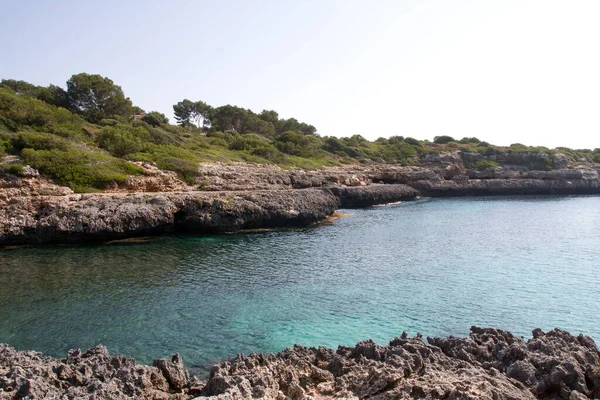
{"x": 52, "y": 94}
{"x": 155, "y": 118}
{"x": 188, "y": 113}
{"x": 233, "y": 118}
{"x": 96, "y": 97}
{"x": 443, "y": 139}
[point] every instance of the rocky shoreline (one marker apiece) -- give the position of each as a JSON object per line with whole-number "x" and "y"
{"x": 104, "y": 217}
{"x": 489, "y": 364}
{"x": 229, "y": 198}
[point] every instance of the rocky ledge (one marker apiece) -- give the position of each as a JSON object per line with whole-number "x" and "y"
{"x": 102, "y": 217}
{"x": 226, "y": 198}
{"x": 33, "y": 210}
{"x": 110, "y": 216}
{"x": 489, "y": 364}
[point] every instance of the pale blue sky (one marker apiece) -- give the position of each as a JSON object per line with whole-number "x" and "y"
{"x": 503, "y": 71}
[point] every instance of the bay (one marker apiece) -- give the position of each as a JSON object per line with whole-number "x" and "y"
{"x": 435, "y": 266}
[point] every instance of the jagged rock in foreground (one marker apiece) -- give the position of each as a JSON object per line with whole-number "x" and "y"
{"x": 490, "y": 364}
{"x": 94, "y": 374}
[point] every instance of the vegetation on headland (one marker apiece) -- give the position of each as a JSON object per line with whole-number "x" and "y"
{"x": 85, "y": 137}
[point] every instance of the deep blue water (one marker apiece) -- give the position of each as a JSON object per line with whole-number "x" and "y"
{"x": 431, "y": 266}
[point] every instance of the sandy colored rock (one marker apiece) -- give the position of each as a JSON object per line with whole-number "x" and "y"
{"x": 230, "y": 197}
{"x": 489, "y": 364}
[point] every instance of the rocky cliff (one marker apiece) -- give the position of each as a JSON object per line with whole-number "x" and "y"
{"x": 489, "y": 364}
{"x": 101, "y": 217}
{"x": 230, "y": 197}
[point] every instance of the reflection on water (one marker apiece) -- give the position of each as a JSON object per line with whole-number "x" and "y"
{"x": 435, "y": 266}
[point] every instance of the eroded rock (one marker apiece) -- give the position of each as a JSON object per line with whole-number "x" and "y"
{"x": 489, "y": 364}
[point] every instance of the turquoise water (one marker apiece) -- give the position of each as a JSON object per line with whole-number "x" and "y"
{"x": 432, "y": 266}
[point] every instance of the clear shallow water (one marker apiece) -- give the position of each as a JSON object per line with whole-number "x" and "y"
{"x": 432, "y": 266}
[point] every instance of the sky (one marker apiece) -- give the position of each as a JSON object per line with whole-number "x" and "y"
{"x": 510, "y": 71}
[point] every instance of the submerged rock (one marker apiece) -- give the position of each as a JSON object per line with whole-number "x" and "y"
{"x": 489, "y": 364}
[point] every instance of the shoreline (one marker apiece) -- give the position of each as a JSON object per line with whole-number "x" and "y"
{"x": 246, "y": 197}
{"x": 135, "y": 217}
{"x": 105, "y": 217}
{"x": 490, "y": 363}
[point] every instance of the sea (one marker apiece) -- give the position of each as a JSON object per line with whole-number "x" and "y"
{"x": 431, "y": 266}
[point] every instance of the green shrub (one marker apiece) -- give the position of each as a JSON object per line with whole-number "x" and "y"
{"x": 227, "y": 136}
{"x": 186, "y": 169}
{"x": 308, "y": 163}
{"x": 296, "y": 144}
{"x": 6, "y": 144}
{"x": 467, "y": 140}
{"x": 162, "y": 151}
{"x": 155, "y": 118}
{"x": 482, "y": 165}
{"x": 218, "y": 142}
{"x": 171, "y": 158}
{"x": 138, "y": 123}
{"x": 198, "y": 143}
{"x": 543, "y": 164}
{"x": 490, "y": 151}
{"x": 443, "y": 139}
{"x": 108, "y": 122}
{"x": 174, "y": 129}
{"x": 19, "y": 112}
{"x": 40, "y": 141}
{"x": 249, "y": 142}
{"x": 340, "y": 147}
{"x": 121, "y": 140}
{"x": 395, "y": 140}
{"x": 268, "y": 152}
{"x": 81, "y": 170}
{"x": 397, "y": 152}
{"x": 162, "y": 136}
{"x": 518, "y": 147}
{"x": 412, "y": 141}
{"x": 13, "y": 169}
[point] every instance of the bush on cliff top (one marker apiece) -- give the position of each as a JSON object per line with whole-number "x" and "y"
{"x": 81, "y": 170}
{"x": 121, "y": 140}
{"x": 12, "y": 169}
{"x": 482, "y": 165}
{"x": 23, "y": 112}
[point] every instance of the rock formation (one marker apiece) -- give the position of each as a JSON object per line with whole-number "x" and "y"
{"x": 230, "y": 197}
{"x": 96, "y": 217}
{"x": 93, "y": 374}
{"x": 489, "y": 364}
{"x": 35, "y": 211}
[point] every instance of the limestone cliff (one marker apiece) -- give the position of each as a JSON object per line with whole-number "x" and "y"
{"x": 230, "y": 197}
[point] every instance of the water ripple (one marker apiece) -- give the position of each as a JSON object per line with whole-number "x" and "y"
{"x": 435, "y": 267}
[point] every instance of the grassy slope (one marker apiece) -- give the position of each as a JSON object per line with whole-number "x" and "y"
{"x": 88, "y": 157}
